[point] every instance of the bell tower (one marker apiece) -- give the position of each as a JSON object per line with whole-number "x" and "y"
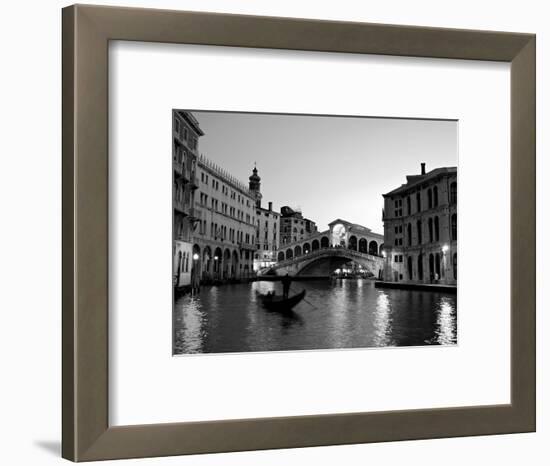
{"x": 254, "y": 185}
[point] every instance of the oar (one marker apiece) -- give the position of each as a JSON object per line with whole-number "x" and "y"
{"x": 304, "y": 298}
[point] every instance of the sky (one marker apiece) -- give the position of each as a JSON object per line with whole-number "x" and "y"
{"x": 328, "y": 166}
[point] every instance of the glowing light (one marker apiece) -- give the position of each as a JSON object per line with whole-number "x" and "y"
{"x": 383, "y": 253}
{"x": 215, "y": 258}
{"x": 195, "y": 257}
{"x": 445, "y": 248}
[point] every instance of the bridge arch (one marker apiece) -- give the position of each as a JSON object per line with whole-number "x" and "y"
{"x": 352, "y": 242}
{"x": 281, "y": 256}
{"x": 363, "y": 246}
{"x": 297, "y": 251}
{"x": 306, "y": 248}
{"x": 324, "y": 242}
{"x": 373, "y": 248}
{"x": 315, "y": 245}
{"x": 325, "y": 266}
{"x": 323, "y": 262}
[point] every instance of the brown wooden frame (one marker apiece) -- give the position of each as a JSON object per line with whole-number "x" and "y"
{"x": 86, "y": 33}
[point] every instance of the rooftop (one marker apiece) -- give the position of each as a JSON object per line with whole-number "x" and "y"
{"x": 413, "y": 181}
{"x": 190, "y": 118}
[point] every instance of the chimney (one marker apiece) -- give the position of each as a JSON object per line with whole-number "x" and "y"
{"x": 270, "y": 206}
{"x": 422, "y": 168}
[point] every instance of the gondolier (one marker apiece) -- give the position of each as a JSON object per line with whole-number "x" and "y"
{"x": 277, "y": 303}
{"x": 286, "y": 281}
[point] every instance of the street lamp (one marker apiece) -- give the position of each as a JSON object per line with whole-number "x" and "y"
{"x": 445, "y": 248}
{"x": 195, "y": 257}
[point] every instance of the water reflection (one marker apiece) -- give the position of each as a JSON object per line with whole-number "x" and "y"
{"x": 382, "y": 321}
{"x": 338, "y": 314}
{"x": 446, "y": 322}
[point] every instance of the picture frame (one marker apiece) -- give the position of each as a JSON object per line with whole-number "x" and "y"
{"x": 86, "y": 433}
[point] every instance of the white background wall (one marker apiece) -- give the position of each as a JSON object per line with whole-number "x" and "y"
{"x": 30, "y": 246}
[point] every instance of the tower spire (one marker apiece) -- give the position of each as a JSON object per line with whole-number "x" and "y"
{"x": 254, "y": 184}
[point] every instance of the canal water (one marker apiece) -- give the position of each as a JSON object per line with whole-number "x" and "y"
{"x": 335, "y": 314}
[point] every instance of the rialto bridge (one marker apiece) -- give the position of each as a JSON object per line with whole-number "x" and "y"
{"x": 323, "y": 252}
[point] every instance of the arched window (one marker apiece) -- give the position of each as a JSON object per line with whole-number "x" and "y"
{"x": 437, "y": 265}
{"x": 281, "y": 256}
{"x": 431, "y": 229}
{"x": 352, "y": 244}
{"x": 409, "y": 234}
{"x": 363, "y": 246}
{"x": 289, "y": 253}
{"x": 408, "y": 205}
{"x": 436, "y": 197}
{"x": 418, "y": 203}
{"x": 297, "y": 251}
{"x": 419, "y": 232}
{"x": 436, "y": 228}
{"x": 453, "y": 227}
{"x": 314, "y": 245}
{"x": 324, "y": 242}
{"x": 453, "y": 193}
{"x": 431, "y": 265}
{"x": 373, "y": 248}
{"x": 429, "y": 198}
{"x": 410, "y": 267}
{"x": 420, "y": 267}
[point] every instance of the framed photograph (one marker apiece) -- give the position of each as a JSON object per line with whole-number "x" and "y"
{"x": 284, "y": 233}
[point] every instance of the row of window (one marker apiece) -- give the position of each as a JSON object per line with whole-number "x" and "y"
{"x": 222, "y": 232}
{"x": 225, "y": 190}
{"x": 433, "y": 231}
{"x": 266, "y": 214}
{"x": 432, "y": 195}
{"x": 266, "y": 247}
{"x": 226, "y": 208}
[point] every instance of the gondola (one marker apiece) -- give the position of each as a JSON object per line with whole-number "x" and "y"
{"x": 278, "y": 304}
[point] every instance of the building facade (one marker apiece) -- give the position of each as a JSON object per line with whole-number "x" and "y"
{"x": 267, "y": 226}
{"x": 224, "y": 235}
{"x": 185, "y": 134}
{"x": 420, "y": 229}
{"x": 267, "y": 237}
{"x": 294, "y": 227}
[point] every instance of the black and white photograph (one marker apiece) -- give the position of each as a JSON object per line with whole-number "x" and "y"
{"x": 312, "y": 232}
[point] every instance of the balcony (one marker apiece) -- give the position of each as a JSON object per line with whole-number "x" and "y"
{"x": 243, "y": 245}
{"x": 194, "y": 182}
{"x": 182, "y": 206}
{"x": 178, "y": 167}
